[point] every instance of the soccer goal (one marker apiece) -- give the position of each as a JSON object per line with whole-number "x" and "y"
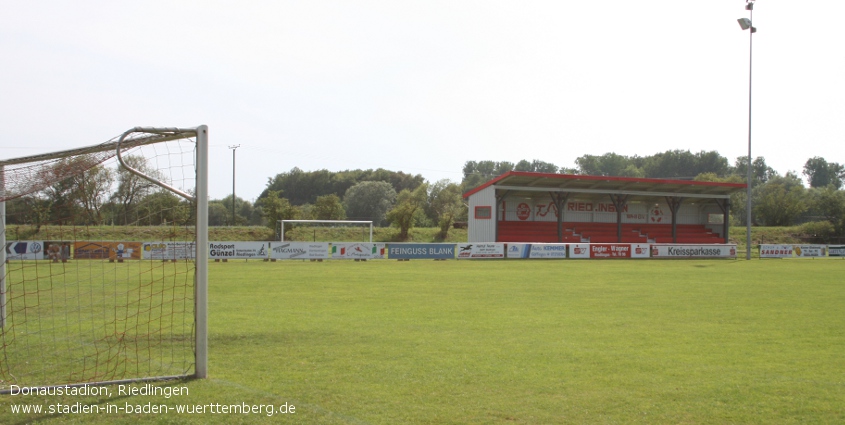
{"x": 80, "y": 301}
{"x": 329, "y": 230}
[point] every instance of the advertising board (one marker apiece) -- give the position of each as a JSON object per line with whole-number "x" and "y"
{"x": 810, "y": 250}
{"x": 25, "y": 250}
{"x": 358, "y": 250}
{"x": 579, "y": 250}
{"x": 237, "y": 250}
{"x": 299, "y": 250}
{"x": 481, "y": 250}
{"x": 836, "y": 250}
{"x": 775, "y": 251}
{"x": 168, "y": 250}
{"x": 409, "y": 251}
{"x": 693, "y": 251}
{"x": 101, "y": 250}
{"x": 537, "y": 250}
{"x": 608, "y": 250}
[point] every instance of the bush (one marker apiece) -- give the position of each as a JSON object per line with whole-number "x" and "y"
{"x": 819, "y": 230}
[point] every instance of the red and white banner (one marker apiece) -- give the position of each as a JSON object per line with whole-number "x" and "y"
{"x": 481, "y": 250}
{"x": 693, "y": 251}
{"x": 608, "y": 250}
{"x": 775, "y": 251}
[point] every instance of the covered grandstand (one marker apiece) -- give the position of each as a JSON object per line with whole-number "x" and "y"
{"x": 526, "y": 207}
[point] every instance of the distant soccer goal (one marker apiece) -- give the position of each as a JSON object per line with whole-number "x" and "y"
{"x": 78, "y": 306}
{"x": 328, "y": 230}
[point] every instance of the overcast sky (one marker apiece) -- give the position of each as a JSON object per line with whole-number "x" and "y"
{"x": 424, "y": 86}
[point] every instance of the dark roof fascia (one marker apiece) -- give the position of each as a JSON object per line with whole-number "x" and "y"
{"x": 601, "y": 178}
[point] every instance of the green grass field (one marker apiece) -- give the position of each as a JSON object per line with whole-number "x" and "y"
{"x": 514, "y": 342}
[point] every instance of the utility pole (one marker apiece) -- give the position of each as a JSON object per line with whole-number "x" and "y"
{"x": 233, "y": 148}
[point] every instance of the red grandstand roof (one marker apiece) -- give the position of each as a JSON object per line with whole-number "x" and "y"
{"x": 522, "y": 181}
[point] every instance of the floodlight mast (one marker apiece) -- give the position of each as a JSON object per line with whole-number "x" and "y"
{"x": 746, "y": 24}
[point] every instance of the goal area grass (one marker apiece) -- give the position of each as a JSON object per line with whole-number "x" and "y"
{"x": 513, "y": 342}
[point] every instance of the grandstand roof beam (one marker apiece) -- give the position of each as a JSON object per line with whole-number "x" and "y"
{"x": 612, "y": 192}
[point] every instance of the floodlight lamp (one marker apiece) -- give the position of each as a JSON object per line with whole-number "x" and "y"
{"x": 745, "y": 23}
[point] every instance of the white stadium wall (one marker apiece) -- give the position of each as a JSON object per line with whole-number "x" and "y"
{"x": 481, "y": 228}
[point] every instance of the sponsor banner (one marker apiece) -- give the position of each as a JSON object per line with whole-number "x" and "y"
{"x": 57, "y": 250}
{"x": 547, "y": 250}
{"x": 124, "y": 250}
{"x": 518, "y": 250}
{"x": 836, "y": 250}
{"x": 230, "y": 250}
{"x": 168, "y": 250}
{"x": 775, "y": 251}
{"x": 640, "y": 250}
{"x": 25, "y": 250}
{"x": 610, "y": 250}
{"x": 481, "y": 250}
{"x": 693, "y": 251}
{"x": 438, "y": 251}
{"x": 91, "y": 250}
{"x": 358, "y": 250}
{"x": 99, "y": 250}
{"x": 579, "y": 250}
{"x": 810, "y": 250}
{"x": 299, "y": 250}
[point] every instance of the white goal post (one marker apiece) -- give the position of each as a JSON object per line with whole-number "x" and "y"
{"x": 79, "y": 309}
{"x": 282, "y": 233}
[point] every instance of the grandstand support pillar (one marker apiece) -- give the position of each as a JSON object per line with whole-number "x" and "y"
{"x": 559, "y": 199}
{"x": 725, "y": 206}
{"x": 674, "y": 205}
{"x": 619, "y": 202}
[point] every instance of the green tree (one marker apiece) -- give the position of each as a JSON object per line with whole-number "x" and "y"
{"x": 329, "y": 207}
{"x": 276, "y": 208}
{"x": 760, "y": 172}
{"x": 536, "y": 166}
{"x": 303, "y": 187}
{"x": 821, "y": 173}
{"x": 445, "y": 203}
{"x": 780, "y": 201}
{"x": 609, "y": 164}
{"x": 131, "y": 189}
{"x": 477, "y": 173}
{"x": 408, "y": 205}
{"x": 161, "y": 208}
{"x": 369, "y": 200}
{"x": 90, "y": 190}
{"x": 218, "y": 213}
{"x": 829, "y": 203}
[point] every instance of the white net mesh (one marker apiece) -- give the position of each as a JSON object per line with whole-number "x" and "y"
{"x": 99, "y": 276}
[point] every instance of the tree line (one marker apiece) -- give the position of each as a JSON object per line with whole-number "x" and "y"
{"x": 113, "y": 196}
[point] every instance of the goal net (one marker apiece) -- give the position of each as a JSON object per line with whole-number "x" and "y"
{"x": 100, "y": 281}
